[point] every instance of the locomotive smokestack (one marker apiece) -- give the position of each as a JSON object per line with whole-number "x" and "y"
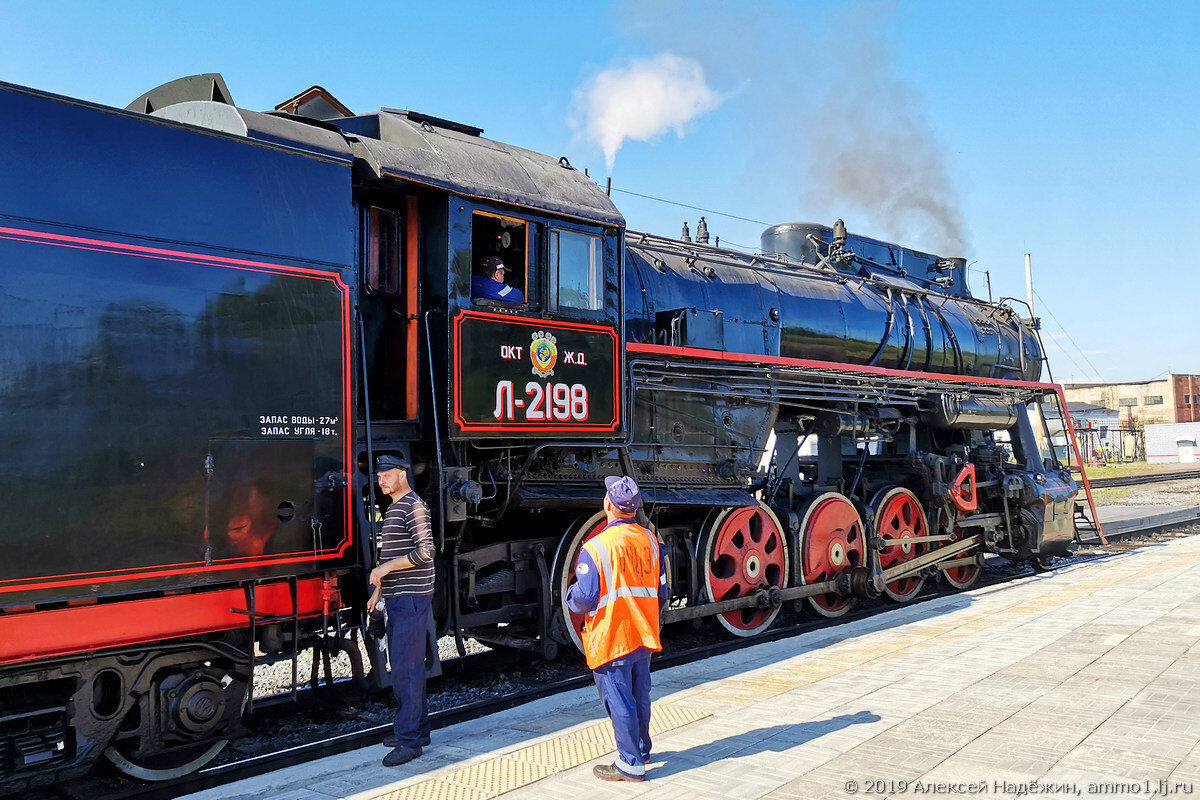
{"x": 702, "y": 232}
{"x": 686, "y": 236}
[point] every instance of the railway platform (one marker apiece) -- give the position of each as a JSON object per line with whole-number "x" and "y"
{"x": 1082, "y": 682}
{"x": 1117, "y": 521}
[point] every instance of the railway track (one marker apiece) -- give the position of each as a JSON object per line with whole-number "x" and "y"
{"x": 122, "y": 789}
{"x": 1141, "y": 480}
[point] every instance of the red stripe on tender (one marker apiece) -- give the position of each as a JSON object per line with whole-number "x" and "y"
{"x": 36, "y": 635}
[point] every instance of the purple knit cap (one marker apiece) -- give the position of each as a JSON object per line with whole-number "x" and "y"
{"x": 623, "y": 492}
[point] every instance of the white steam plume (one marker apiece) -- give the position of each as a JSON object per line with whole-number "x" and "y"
{"x": 642, "y": 100}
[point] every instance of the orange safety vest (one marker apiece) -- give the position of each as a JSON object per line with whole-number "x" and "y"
{"x": 626, "y": 617}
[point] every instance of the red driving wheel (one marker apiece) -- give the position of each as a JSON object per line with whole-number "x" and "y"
{"x": 962, "y": 577}
{"x": 565, "y": 563}
{"x": 744, "y": 550}
{"x": 831, "y": 542}
{"x": 900, "y": 520}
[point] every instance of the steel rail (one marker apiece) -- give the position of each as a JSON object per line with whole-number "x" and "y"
{"x": 1142, "y": 480}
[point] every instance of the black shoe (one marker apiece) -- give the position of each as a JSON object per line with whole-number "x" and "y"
{"x": 390, "y": 740}
{"x": 401, "y": 755}
{"x": 608, "y": 772}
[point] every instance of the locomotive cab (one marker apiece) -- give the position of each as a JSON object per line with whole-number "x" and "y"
{"x": 547, "y": 367}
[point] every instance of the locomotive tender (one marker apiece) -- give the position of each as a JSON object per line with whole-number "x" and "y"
{"x": 213, "y": 320}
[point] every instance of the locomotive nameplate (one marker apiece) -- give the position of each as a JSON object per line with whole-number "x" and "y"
{"x": 528, "y": 376}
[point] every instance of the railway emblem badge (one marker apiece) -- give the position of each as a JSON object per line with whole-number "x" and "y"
{"x": 544, "y": 353}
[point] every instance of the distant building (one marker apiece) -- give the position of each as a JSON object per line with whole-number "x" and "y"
{"x": 1175, "y": 398}
{"x": 1097, "y": 431}
{"x": 1174, "y": 443}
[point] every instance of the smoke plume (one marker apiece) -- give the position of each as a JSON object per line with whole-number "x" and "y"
{"x": 872, "y": 151}
{"x": 641, "y": 101}
{"x": 835, "y": 130}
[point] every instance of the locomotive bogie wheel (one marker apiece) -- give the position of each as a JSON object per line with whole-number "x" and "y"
{"x": 899, "y": 518}
{"x": 832, "y": 541}
{"x": 165, "y": 766}
{"x": 744, "y": 550}
{"x": 963, "y": 577}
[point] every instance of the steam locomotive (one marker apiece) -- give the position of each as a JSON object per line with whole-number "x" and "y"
{"x": 213, "y": 321}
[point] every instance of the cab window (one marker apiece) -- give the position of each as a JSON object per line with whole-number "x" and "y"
{"x": 507, "y": 239}
{"x": 385, "y": 250}
{"x": 578, "y": 263}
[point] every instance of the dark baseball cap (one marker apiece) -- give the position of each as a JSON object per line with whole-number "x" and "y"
{"x": 384, "y": 463}
{"x": 623, "y": 492}
{"x": 491, "y": 264}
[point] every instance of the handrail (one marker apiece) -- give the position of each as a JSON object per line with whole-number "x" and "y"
{"x": 435, "y": 412}
{"x": 362, "y": 352}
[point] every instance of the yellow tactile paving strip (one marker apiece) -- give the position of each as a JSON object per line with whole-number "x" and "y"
{"x": 522, "y": 767}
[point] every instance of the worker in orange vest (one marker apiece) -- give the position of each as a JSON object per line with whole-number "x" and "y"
{"x": 621, "y": 581}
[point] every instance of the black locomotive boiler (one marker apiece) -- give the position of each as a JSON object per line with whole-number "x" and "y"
{"x": 214, "y": 320}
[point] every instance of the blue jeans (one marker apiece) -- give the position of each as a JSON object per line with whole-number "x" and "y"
{"x": 406, "y": 618}
{"x": 624, "y": 685}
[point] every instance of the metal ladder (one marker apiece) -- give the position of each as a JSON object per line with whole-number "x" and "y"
{"x": 1085, "y": 516}
{"x": 258, "y": 618}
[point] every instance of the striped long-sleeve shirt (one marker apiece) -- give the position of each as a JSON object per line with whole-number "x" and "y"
{"x": 407, "y": 532}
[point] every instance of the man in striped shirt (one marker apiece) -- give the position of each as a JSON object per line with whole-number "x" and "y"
{"x": 404, "y": 578}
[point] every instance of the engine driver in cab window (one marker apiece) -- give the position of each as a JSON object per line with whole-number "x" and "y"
{"x": 489, "y": 283}
{"x": 500, "y": 254}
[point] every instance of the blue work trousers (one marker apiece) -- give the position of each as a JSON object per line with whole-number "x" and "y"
{"x": 624, "y": 686}
{"x": 406, "y": 621}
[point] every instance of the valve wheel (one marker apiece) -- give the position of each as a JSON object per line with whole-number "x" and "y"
{"x": 744, "y": 550}
{"x": 898, "y": 519}
{"x": 831, "y": 542}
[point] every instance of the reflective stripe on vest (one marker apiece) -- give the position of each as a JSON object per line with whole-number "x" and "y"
{"x": 604, "y": 562}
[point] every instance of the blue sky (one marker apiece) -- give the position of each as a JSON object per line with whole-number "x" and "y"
{"x": 1067, "y": 130}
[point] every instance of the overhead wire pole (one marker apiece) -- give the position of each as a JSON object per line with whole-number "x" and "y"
{"x": 1029, "y": 286}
